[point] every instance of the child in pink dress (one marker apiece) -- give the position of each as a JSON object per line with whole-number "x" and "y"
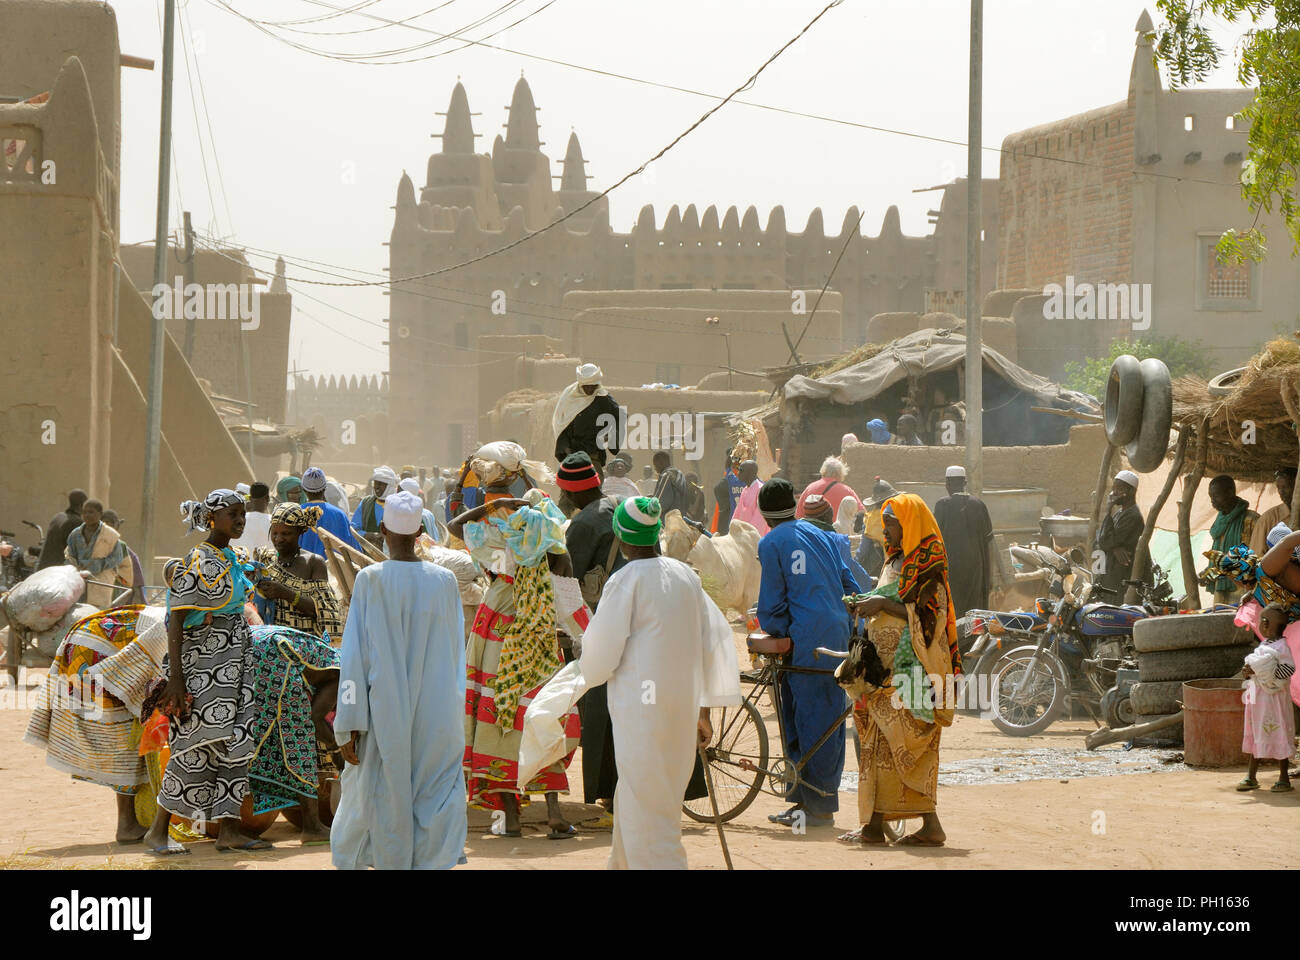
{"x": 1269, "y": 732}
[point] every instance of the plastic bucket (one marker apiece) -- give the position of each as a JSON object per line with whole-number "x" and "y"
{"x": 1213, "y": 719}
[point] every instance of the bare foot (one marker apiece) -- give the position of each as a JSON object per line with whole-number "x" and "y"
{"x": 130, "y": 833}
{"x": 229, "y": 837}
{"x": 318, "y": 835}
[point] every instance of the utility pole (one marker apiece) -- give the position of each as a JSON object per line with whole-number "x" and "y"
{"x": 153, "y": 426}
{"x": 189, "y": 278}
{"x": 974, "y": 221}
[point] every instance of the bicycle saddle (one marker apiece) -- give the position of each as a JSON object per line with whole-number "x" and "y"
{"x": 764, "y": 643}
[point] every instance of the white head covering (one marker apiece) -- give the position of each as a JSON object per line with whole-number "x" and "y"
{"x": 1129, "y": 477}
{"x": 573, "y": 400}
{"x": 403, "y": 512}
{"x": 411, "y": 485}
{"x": 955, "y": 471}
{"x": 389, "y": 476}
{"x": 243, "y": 489}
{"x": 505, "y": 452}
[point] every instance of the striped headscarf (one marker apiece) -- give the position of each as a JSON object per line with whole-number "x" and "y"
{"x": 198, "y": 513}
{"x": 637, "y": 521}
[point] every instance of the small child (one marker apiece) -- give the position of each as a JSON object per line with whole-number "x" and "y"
{"x": 1270, "y": 724}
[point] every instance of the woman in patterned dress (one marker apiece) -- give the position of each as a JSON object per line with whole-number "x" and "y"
{"x": 295, "y": 590}
{"x": 513, "y": 649}
{"x": 914, "y": 632}
{"x": 207, "y": 696}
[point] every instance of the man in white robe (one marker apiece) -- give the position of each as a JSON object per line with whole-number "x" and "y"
{"x": 401, "y": 706}
{"x": 667, "y": 655}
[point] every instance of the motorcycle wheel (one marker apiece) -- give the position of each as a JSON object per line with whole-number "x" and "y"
{"x": 1042, "y": 700}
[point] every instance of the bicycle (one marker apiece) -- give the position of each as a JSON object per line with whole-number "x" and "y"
{"x": 738, "y": 754}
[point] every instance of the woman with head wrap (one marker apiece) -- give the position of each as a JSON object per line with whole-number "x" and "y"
{"x": 513, "y": 650}
{"x": 206, "y": 696}
{"x": 295, "y": 589}
{"x": 914, "y": 632}
{"x": 1273, "y": 579}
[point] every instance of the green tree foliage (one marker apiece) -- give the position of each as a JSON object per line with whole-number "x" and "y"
{"x": 1182, "y": 357}
{"x": 1267, "y": 57}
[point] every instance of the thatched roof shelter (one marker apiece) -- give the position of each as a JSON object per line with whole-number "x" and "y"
{"x": 1267, "y": 396}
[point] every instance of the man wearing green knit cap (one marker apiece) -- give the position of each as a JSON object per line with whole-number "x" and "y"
{"x": 667, "y": 655}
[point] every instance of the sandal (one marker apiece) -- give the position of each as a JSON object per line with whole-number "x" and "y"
{"x": 1248, "y": 784}
{"x": 853, "y": 836}
{"x": 568, "y": 833}
{"x": 1281, "y": 786}
{"x": 916, "y": 840}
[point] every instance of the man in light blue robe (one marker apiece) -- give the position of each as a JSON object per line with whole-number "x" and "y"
{"x": 401, "y": 710}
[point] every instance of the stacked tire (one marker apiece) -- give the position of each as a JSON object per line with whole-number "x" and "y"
{"x": 1138, "y": 410}
{"x": 1185, "y": 646}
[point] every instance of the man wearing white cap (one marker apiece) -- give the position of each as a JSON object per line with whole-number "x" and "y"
{"x": 400, "y": 714}
{"x": 967, "y": 534}
{"x": 586, "y": 419}
{"x": 370, "y": 511}
{"x": 1119, "y": 532}
{"x": 412, "y": 486}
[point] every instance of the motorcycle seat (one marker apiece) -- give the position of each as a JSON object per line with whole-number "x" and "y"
{"x": 768, "y": 645}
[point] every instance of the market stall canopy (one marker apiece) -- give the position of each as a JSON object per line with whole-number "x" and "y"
{"x": 1251, "y": 421}
{"x": 921, "y": 354}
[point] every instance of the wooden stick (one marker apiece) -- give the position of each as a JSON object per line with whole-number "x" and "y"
{"x": 713, "y": 799}
{"x": 1185, "y": 515}
{"x": 1099, "y": 496}
{"x": 1072, "y": 414}
{"x": 1142, "y": 557}
{"x": 1099, "y": 738}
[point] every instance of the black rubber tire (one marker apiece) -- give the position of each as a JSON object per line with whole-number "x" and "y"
{"x": 1192, "y": 664}
{"x": 1225, "y": 383}
{"x": 1156, "y": 698}
{"x": 724, "y": 772}
{"x": 1123, "y": 405}
{"x": 1147, "y": 450}
{"x": 1049, "y": 666}
{"x": 1188, "y": 631}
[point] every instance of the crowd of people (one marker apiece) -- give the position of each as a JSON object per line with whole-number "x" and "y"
{"x": 256, "y": 686}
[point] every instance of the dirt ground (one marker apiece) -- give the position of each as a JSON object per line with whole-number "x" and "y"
{"x": 1162, "y": 816}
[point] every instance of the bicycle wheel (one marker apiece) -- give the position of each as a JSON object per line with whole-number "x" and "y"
{"x": 737, "y": 758}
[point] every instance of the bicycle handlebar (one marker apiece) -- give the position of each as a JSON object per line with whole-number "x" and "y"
{"x": 828, "y": 652}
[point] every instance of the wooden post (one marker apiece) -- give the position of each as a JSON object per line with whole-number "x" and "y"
{"x": 1099, "y": 496}
{"x": 1142, "y": 557}
{"x": 1185, "y": 514}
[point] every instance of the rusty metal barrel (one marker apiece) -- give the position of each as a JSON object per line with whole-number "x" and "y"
{"x": 1213, "y": 717}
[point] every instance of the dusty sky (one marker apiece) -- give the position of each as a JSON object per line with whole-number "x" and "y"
{"x": 303, "y": 153}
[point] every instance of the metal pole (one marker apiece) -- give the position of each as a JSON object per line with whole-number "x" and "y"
{"x": 974, "y": 220}
{"x": 153, "y": 425}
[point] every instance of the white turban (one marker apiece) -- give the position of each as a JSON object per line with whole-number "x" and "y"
{"x": 573, "y": 399}
{"x": 589, "y": 373}
{"x": 410, "y": 485}
{"x": 403, "y": 512}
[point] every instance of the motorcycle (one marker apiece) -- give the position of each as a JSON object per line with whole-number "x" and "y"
{"x": 16, "y": 563}
{"x": 1088, "y": 638}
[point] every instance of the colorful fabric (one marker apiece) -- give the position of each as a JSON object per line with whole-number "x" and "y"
{"x": 328, "y": 620}
{"x": 898, "y": 766}
{"x": 923, "y": 577}
{"x": 85, "y": 716}
{"x": 530, "y": 652}
{"x": 213, "y": 581}
{"x": 637, "y": 521}
{"x": 1230, "y": 528}
{"x": 532, "y": 532}
{"x": 296, "y": 516}
{"x": 206, "y": 777}
{"x": 285, "y": 764}
{"x": 1240, "y": 564}
{"x": 491, "y": 764}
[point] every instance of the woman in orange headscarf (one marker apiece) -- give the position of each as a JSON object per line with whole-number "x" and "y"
{"x": 914, "y": 630}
